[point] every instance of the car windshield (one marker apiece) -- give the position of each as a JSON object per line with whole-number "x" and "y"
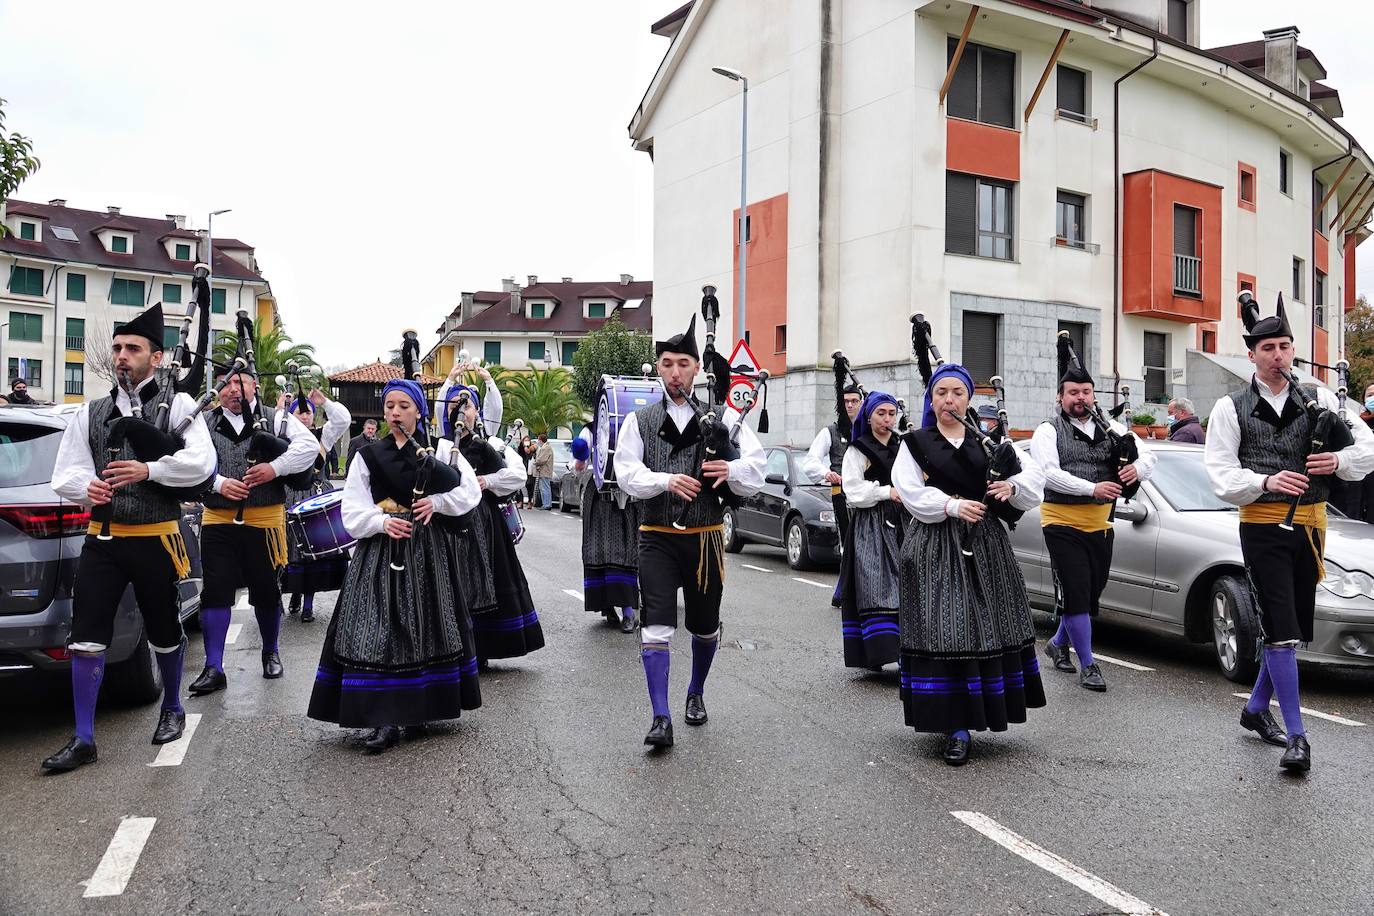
{"x": 803, "y": 479}
{"x": 27, "y": 453}
{"x": 1181, "y": 478}
{"x": 562, "y": 451}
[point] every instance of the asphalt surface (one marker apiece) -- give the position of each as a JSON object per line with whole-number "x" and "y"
{"x": 803, "y": 794}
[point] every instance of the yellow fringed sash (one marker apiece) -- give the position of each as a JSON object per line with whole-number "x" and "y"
{"x": 1089, "y": 517}
{"x": 167, "y": 532}
{"x": 271, "y": 519}
{"x": 1311, "y": 516}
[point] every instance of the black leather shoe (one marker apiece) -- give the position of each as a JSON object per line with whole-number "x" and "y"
{"x": 381, "y": 739}
{"x": 627, "y": 624}
{"x": 1297, "y": 759}
{"x": 1091, "y": 678}
{"x": 170, "y": 724}
{"x": 696, "y": 709}
{"x": 956, "y": 751}
{"x": 1264, "y": 725}
{"x": 1060, "y": 656}
{"x": 271, "y": 666}
{"x": 210, "y": 680}
{"x": 307, "y": 614}
{"x": 76, "y": 753}
{"x": 660, "y": 733}
{"x": 295, "y": 606}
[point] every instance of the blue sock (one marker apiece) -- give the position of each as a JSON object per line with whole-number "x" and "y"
{"x": 703, "y": 653}
{"x": 269, "y": 625}
{"x": 170, "y": 663}
{"x": 214, "y": 625}
{"x": 961, "y": 733}
{"x": 656, "y": 674}
{"x": 1282, "y": 662}
{"x": 308, "y": 602}
{"x": 87, "y": 673}
{"x": 1080, "y": 630}
{"x": 1264, "y": 688}
{"x": 1061, "y": 634}
{"x": 627, "y": 613}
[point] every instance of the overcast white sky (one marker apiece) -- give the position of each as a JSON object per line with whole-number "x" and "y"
{"x": 384, "y": 157}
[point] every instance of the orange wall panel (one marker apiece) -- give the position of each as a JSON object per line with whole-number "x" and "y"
{"x": 1320, "y": 353}
{"x": 765, "y": 280}
{"x": 1320, "y": 249}
{"x": 981, "y": 149}
{"x": 1147, "y": 276}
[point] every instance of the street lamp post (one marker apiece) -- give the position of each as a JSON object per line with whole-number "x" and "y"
{"x": 731, "y": 73}
{"x": 210, "y": 280}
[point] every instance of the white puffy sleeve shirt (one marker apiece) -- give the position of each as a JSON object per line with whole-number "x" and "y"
{"x": 634, "y": 477}
{"x": 932, "y": 505}
{"x": 363, "y": 519}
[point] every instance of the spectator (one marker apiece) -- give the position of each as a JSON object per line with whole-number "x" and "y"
{"x": 543, "y": 472}
{"x": 1184, "y": 425}
{"x": 368, "y": 434}
{"x": 1356, "y": 498}
{"x": 527, "y": 450}
{"x": 19, "y": 392}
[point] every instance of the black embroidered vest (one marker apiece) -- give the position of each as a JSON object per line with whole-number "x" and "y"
{"x": 1270, "y": 443}
{"x": 142, "y": 503}
{"x": 1087, "y": 459}
{"x": 670, "y": 451}
{"x": 232, "y": 449}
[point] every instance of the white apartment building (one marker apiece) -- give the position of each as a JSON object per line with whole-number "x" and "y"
{"x": 1009, "y": 168}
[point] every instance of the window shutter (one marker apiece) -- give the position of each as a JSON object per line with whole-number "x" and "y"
{"x": 962, "y": 101}
{"x": 997, "y": 78}
{"x": 961, "y": 213}
{"x": 1185, "y": 231}
{"x": 980, "y": 346}
{"x": 1073, "y": 94}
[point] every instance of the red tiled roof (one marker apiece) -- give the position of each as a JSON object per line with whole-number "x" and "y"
{"x": 1322, "y": 91}
{"x": 378, "y": 374}
{"x": 147, "y": 257}
{"x": 672, "y": 19}
{"x": 1250, "y": 54}
{"x": 539, "y": 291}
{"x": 566, "y": 318}
{"x": 179, "y": 234}
{"x": 601, "y": 292}
{"x": 232, "y": 245}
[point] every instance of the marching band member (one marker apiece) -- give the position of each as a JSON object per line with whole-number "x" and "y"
{"x": 146, "y": 550}
{"x": 492, "y": 407}
{"x": 825, "y": 458}
{"x": 306, "y": 577}
{"x": 659, "y": 453}
{"x": 394, "y": 653}
{"x": 610, "y": 545}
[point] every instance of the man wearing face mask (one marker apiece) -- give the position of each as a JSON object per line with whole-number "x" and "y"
{"x": 1184, "y": 426}
{"x": 1356, "y": 498}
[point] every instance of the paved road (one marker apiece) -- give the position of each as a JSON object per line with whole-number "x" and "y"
{"x": 804, "y": 793}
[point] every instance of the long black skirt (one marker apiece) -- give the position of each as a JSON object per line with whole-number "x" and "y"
{"x": 504, "y": 621}
{"x": 968, "y": 645}
{"x": 870, "y": 593}
{"x": 399, "y": 648}
{"x": 610, "y": 550}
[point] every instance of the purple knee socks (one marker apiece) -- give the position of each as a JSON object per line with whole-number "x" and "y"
{"x": 87, "y": 672}
{"x": 170, "y": 663}
{"x": 627, "y": 613}
{"x": 1080, "y": 630}
{"x": 1282, "y": 664}
{"x": 308, "y": 601}
{"x": 656, "y": 673}
{"x": 269, "y": 625}
{"x": 214, "y": 624}
{"x": 703, "y": 652}
{"x": 1264, "y": 688}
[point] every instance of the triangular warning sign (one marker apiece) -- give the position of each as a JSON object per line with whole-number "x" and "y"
{"x": 742, "y": 361}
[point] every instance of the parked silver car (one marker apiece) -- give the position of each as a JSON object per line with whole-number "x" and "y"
{"x": 1177, "y": 569}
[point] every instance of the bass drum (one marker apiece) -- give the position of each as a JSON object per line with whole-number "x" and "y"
{"x": 315, "y": 525}
{"x": 617, "y": 397}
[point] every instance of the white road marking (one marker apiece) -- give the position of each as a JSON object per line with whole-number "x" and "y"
{"x": 232, "y": 635}
{"x": 1116, "y": 661}
{"x": 812, "y": 582}
{"x": 752, "y": 566}
{"x": 173, "y": 753}
{"x": 117, "y": 865}
{"x": 574, "y": 593}
{"x": 1085, "y": 881}
{"x": 242, "y": 603}
{"x": 1311, "y": 712}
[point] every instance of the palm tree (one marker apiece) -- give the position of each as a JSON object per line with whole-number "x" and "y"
{"x": 543, "y": 398}
{"x": 272, "y": 349}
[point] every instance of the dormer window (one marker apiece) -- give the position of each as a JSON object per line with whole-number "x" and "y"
{"x": 28, "y": 231}
{"x": 596, "y": 310}
{"x": 538, "y": 310}
{"x": 119, "y": 244}
{"x": 182, "y": 252}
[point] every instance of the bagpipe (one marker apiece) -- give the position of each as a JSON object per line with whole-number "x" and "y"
{"x": 845, "y": 378}
{"x": 1329, "y": 432}
{"x": 1125, "y": 448}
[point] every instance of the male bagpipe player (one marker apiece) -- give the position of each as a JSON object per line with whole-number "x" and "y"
{"x": 825, "y": 457}
{"x": 678, "y": 459}
{"x": 1271, "y": 449}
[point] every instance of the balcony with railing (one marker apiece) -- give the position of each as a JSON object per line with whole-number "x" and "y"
{"x": 1187, "y": 275}
{"x": 1171, "y": 247}
{"x": 76, "y": 342}
{"x": 75, "y": 386}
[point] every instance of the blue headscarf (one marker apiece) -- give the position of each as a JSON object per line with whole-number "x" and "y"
{"x": 928, "y": 418}
{"x": 871, "y": 403}
{"x": 300, "y": 404}
{"x": 453, "y": 394}
{"x": 411, "y": 390}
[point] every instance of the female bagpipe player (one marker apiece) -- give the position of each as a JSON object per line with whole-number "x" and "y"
{"x": 396, "y": 652}
{"x": 968, "y": 646}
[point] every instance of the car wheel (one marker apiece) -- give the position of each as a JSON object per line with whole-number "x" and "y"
{"x": 136, "y": 681}
{"x": 730, "y": 534}
{"x": 798, "y": 548}
{"x": 1235, "y": 628}
{"x": 563, "y": 504}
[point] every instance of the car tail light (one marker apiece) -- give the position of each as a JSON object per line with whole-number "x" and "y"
{"x": 47, "y": 521}
{"x": 59, "y": 654}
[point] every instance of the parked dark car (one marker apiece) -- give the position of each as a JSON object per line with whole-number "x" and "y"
{"x": 41, "y": 536}
{"x": 789, "y": 512}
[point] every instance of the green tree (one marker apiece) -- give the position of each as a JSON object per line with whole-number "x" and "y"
{"x": 543, "y": 398}
{"x": 271, "y": 350}
{"x": 1359, "y": 347}
{"x": 17, "y": 161}
{"x": 611, "y": 349}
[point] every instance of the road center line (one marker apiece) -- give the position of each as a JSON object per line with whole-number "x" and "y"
{"x": 574, "y": 593}
{"x": 232, "y": 635}
{"x": 1311, "y": 712}
{"x": 1085, "y": 881}
{"x": 811, "y": 582}
{"x": 1116, "y": 661}
{"x": 752, "y": 566}
{"x": 173, "y": 753}
{"x": 117, "y": 865}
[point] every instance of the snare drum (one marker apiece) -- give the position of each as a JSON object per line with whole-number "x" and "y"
{"x": 511, "y": 513}
{"x": 616, "y": 398}
{"x": 315, "y": 525}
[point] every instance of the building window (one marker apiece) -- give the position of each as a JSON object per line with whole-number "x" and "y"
{"x": 1285, "y": 163}
{"x": 1245, "y": 188}
{"x": 1187, "y": 262}
{"x": 28, "y": 231}
{"x": 981, "y": 346}
{"x": 1072, "y": 98}
{"x": 24, "y": 326}
{"x": 491, "y": 352}
{"x": 1069, "y": 228}
{"x": 1209, "y": 341}
{"x": 119, "y": 244}
{"x": 537, "y": 349}
{"x": 748, "y": 227}
{"x": 1178, "y": 20}
{"x": 171, "y": 292}
{"x": 1318, "y": 192}
{"x": 126, "y": 292}
{"x": 217, "y": 301}
{"x": 1244, "y": 283}
{"x": 596, "y": 310}
{"x": 1319, "y": 298}
{"x": 75, "y": 379}
{"x": 978, "y": 216}
{"x": 76, "y": 333}
{"x": 1297, "y": 279}
{"x": 76, "y": 287}
{"x": 1078, "y": 336}
{"x": 983, "y": 85}
{"x": 537, "y": 309}
{"x": 33, "y": 371}
{"x": 569, "y": 348}
{"x": 170, "y": 336}
{"x": 1156, "y": 367}
{"x": 780, "y": 338}
{"x": 182, "y": 252}
{"x": 26, "y": 281}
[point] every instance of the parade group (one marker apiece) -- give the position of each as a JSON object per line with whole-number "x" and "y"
{"x": 420, "y": 542}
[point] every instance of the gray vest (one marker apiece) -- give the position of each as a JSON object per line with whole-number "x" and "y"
{"x": 233, "y": 460}
{"x": 660, "y": 436}
{"x": 1267, "y": 447}
{"x": 838, "y": 445}
{"x": 142, "y": 503}
{"x": 1091, "y": 461}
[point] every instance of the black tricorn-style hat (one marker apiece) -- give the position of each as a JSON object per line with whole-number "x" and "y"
{"x": 148, "y": 325}
{"x": 1257, "y": 328}
{"x": 1070, "y": 366}
{"x": 686, "y": 342}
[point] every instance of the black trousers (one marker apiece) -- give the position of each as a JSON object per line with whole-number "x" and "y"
{"x": 1082, "y": 561}
{"x": 841, "y": 506}
{"x": 1283, "y": 579}
{"x": 105, "y": 570}
{"x": 235, "y": 556}
{"x": 669, "y": 562}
